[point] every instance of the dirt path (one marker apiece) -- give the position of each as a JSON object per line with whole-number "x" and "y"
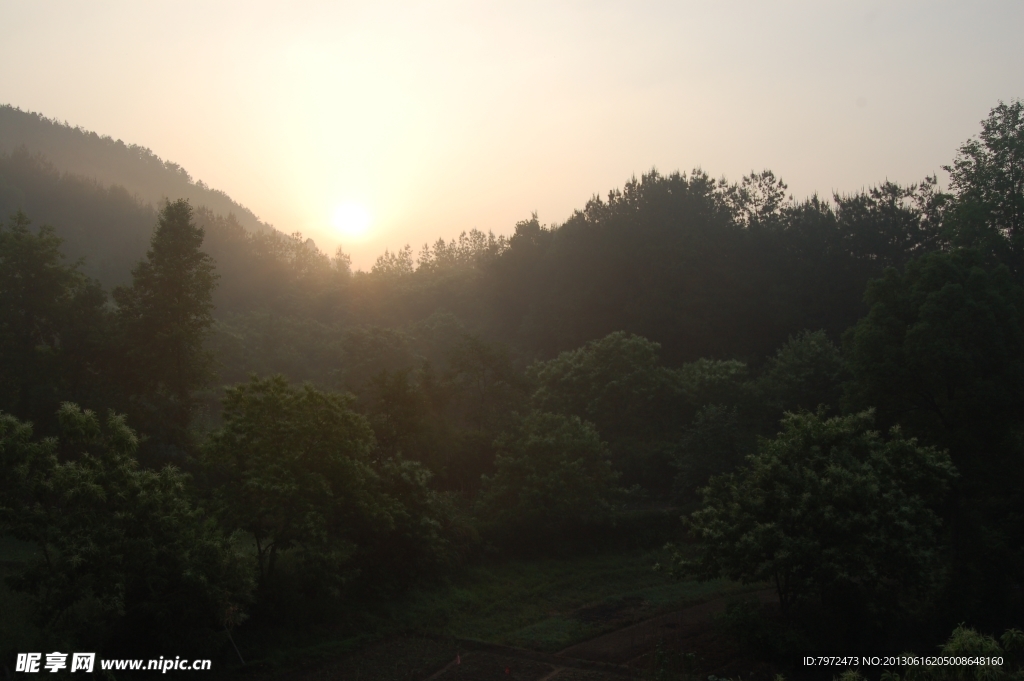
{"x": 622, "y": 655}
{"x": 630, "y": 643}
{"x": 493, "y": 662}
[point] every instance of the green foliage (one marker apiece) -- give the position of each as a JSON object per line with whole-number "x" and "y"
{"x": 758, "y": 199}
{"x": 710, "y": 381}
{"x": 805, "y": 373}
{"x": 942, "y": 353}
{"x": 430, "y": 531}
{"x": 987, "y": 181}
{"x": 719, "y": 431}
{"x": 487, "y": 384}
{"x": 966, "y": 642}
{"x": 727, "y": 410}
{"x": 469, "y": 250}
{"x": 165, "y": 316}
{"x": 265, "y": 344}
{"x": 546, "y": 603}
{"x": 617, "y": 383}
{"x": 889, "y": 224}
{"x": 706, "y": 268}
{"x": 293, "y": 468}
{"x": 51, "y": 323}
{"x": 716, "y": 275}
{"x": 715, "y": 442}
{"x": 368, "y": 351}
{"x": 827, "y": 505}
{"x": 126, "y": 560}
{"x": 552, "y": 479}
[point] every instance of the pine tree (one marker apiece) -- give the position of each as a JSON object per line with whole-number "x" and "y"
{"x": 165, "y": 316}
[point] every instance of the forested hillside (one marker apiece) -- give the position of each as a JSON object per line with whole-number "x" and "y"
{"x": 113, "y": 162}
{"x": 100, "y": 194}
{"x": 829, "y": 390}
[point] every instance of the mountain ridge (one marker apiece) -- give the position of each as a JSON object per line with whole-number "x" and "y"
{"x": 146, "y": 176}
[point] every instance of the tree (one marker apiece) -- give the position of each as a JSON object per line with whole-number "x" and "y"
{"x": 889, "y": 224}
{"x": 126, "y": 561}
{"x": 715, "y": 442}
{"x": 553, "y": 477}
{"x": 486, "y": 384}
{"x": 828, "y": 506}
{"x": 758, "y": 199}
{"x": 987, "y": 180}
{"x": 806, "y": 372}
{"x": 294, "y": 468}
{"x": 291, "y": 468}
{"x": 618, "y": 384}
{"x": 941, "y": 352}
{"x": 51, "y": 322}
{"x": 165, "y": 316}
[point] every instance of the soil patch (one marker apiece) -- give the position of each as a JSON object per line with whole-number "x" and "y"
{"x": 688, "y": 641}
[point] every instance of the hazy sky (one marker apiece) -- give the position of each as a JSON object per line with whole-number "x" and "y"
{"x": 443, "y": 116}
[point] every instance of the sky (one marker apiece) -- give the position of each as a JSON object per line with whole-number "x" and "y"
{"x": 372, "y": 125}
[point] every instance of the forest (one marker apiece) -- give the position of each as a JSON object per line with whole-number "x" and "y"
{"x": 218, "y": 441}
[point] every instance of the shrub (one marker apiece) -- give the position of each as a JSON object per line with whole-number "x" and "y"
{"x": 126, "y": 560}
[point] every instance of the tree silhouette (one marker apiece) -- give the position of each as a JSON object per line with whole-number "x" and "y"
{"x": 165, "y": 315}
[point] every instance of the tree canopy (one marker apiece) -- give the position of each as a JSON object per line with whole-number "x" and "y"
{"x": 164, "y": 317}
{"x": 828, "y": 505}
{"x": 126, "y": 560}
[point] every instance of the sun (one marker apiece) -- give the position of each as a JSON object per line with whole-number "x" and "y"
{"x": 351, "y": 219}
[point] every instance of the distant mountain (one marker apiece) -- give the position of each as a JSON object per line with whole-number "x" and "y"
{"x": 99, "y": 194}
{"x": 112, "y": 162}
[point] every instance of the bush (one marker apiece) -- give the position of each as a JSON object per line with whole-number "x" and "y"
{"x": 829, "y": 512}
{"x": 127, "y": 562}
{"x": 553, "y": 479}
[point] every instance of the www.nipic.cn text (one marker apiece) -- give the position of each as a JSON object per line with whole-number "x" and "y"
{"x": 86, "y": 662}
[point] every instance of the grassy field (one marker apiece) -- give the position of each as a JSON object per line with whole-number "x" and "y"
{"x": 550, "y": 604}
{"x": 543, "y": 604}
{"x": 15, "y": 632}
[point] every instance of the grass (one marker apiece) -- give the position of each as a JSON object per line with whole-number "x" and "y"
{"x": 16, "y": 634}
{"x": 544, "y": 604}
{"x": 550, "y": 604}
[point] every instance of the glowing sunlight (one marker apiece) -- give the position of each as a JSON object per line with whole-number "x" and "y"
{"x": 351, "y": 220}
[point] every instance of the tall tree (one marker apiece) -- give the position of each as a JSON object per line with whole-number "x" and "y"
{"x": 987, "y": 180}
{"x": 941, "y": 352}
{"x": 49, "y": 319}
{"x": 165, "y": 316}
